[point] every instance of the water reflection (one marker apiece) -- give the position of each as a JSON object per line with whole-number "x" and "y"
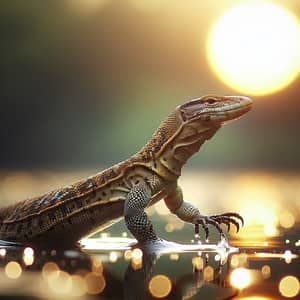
{"x": 148, "y": 274}
{"x": 55, "y": 272}
{"x": 203, "y": 268}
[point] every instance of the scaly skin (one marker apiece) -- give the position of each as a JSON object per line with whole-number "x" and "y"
{"x": 66, "y": 215}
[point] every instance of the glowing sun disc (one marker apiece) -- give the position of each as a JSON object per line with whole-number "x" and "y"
{"x": 255, "y": 48}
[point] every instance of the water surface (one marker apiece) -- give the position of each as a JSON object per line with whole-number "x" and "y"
{"x": 261, "y": 261}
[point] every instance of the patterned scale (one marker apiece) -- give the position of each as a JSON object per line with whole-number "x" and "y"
{"x": 81, "y": 188}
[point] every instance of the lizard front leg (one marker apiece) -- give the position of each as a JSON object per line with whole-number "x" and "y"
{"x": 187, "y": 212}
{"x": 135, "y": 218}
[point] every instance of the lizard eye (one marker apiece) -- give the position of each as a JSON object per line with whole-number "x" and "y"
{"x": 211, "y": 101}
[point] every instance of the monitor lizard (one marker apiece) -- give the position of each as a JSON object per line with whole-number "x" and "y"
{"x": 68, "y": 214}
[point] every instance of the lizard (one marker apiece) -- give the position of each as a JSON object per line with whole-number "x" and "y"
{"x": 66, "y": 215}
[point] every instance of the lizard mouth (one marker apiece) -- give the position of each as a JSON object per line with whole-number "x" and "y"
{"x": 222, "y": 116}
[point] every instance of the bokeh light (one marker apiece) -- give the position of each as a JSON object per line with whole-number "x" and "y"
{"x": 198, "y": 263}
{"x": 289, "y": 286}
{"x": 288, "y": 256}
{"x": 95, "y": 283}
{"x": 286, "y": 219}
{"x": 28, "y": 256}
{"x": 266, "y": 271}
{"x": 113, "y": 256}
{"x": 255, "y": 47}
{"x": 2, "y": 252}
{"x": 137, "y": 259}
{"x": 137, "y": 253}
{"x": 13, "y": 270}
{"x": 240, "y": 278}
{"x": 208, "y": 273}
{"x": 174, "y": 256}
{"x": 160, "y": 286}
{"x": 234, "y": 262}
{"x": 127, "y": 254}
{"x": 50, "y": 269}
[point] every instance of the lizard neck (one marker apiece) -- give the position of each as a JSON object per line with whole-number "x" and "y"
{"x": 177, "y": 153}
{"x": 173, "y": 144}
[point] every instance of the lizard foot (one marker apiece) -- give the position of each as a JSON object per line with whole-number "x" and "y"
{"x": 216, "y": 221}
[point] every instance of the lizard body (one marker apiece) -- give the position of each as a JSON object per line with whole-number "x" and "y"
{"x": 68, "y": 214}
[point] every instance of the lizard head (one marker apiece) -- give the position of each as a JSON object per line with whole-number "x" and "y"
{"x": 215, "y": 110}
{"x": 202, "y": 117}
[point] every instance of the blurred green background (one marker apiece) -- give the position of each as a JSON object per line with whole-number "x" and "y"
{"x": 84, "y": 84}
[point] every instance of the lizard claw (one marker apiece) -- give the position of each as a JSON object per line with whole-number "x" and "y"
{"x": 233, "y": 215}
{"x": 216, "y": 221}
{"x": 201, "y": 220}
{"x": 217, "y": 226}
{"x": 228, "y": 221}
{"x": 204, "y": 221}
{"x": 229, "y": 218}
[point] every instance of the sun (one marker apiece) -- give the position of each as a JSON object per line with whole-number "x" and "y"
{"x": 255, "y": 48}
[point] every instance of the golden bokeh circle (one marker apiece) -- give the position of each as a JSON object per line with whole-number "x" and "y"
{"x": 160, "y": 286}
{"x": 13, "y": 270}
{"x": 95, "y": 283}
{"x": 289, "y": 286}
